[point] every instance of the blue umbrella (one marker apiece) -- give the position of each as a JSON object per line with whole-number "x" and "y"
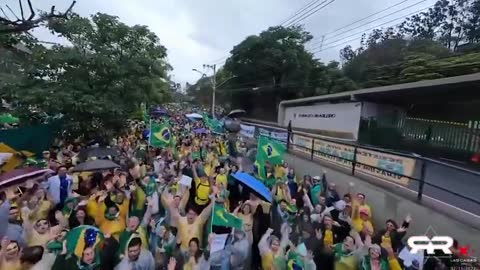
{"x": 158, "y": 112}
{"x": 200, "y": 131}
{"x": 256, "y": 185}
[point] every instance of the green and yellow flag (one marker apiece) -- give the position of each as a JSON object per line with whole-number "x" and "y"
{"x": 160, "y": 135}
{"x": 221, "y": 217}
{"x": 270, "y": 150}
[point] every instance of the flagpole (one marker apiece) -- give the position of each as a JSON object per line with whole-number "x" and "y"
{"x": 150, "y": 137}
{"x": 211, "y": 218}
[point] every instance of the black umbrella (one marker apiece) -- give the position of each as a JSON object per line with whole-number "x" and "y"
{"x": 99, "y": 152}
{"x": 96, "y": 165}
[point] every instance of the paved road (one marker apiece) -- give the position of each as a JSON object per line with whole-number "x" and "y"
{"x": 453, "y": 180}
{"x": 450, "y": 179}
{"x": 386, "y": 204}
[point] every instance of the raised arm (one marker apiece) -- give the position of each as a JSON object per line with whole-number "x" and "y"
{"x": 207, "y": 211}
{"x": 263, "y": 245}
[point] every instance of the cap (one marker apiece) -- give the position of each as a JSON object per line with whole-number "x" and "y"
{"x": 316, "y": 178}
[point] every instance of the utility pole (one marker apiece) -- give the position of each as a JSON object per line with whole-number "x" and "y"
{"x": 321, "y": 43}
{"x": 214, "y": 86}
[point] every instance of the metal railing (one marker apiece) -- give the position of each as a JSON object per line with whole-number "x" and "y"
{"x": 418, "y": 175}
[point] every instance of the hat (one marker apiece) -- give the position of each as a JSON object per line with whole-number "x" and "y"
{"x": 316, "y": 178}
{"x": 364, "y": 211}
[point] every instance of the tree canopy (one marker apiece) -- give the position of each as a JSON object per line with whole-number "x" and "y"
{"x": 272, "y": 66}
{"x": 440, "y": 42}
{"x": 96, "y": 81}
{"x": 443, "y": 41}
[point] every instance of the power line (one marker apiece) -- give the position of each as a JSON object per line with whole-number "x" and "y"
{"x": 396, "y": 19}
{"x": 383, "y": 17}
{"x": 312, "y": 12}
{"x": 300, "y": 11}
{"x": 369, "y": 16}
{"x": 373, "y": 26}
{"x": 305, "y": 12}
{"x": 362, "y": 19}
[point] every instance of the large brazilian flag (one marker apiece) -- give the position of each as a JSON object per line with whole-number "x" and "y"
{"x": 160, "y": 135}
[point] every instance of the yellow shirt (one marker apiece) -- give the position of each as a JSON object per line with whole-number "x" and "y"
{"x": 188, "y": 231}
{"x": 267, "y": 260}
{"x": 357, "y": 224}
{"x": 328, "y": 238}
{"x": 279, "y": 172}
{"x": 208, "y": 170}
{"x": 221, "y": 179}
{"x": 202, "y": 191}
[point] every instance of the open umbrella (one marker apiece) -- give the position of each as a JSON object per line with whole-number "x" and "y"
{"x": 157, "y": 112}
{"x": 96, "y": 165}
{"x": 20, "y": 176}
{"x": 200, "y": 131}
{"x": 194, "y": 116}
{"x": 98, "y": 152}
{"x": 254, "y": 184}
{"x": 236, "y": 113}
{"x": 7, "y": 118}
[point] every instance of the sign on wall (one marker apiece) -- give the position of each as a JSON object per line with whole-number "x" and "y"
{"x": 389, "y": 163}
{"x": 342, "y": 155}
{"x": 302, "y": 144}
{"x": 339, "y": 154}
{"x": 342, "y": 117}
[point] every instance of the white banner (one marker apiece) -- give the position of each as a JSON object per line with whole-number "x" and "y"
{"x": 247, "y": 131}
{"x": 218, "y": 242}
{"x": 280, "y": 136}
{"x": 341, "y": 117}
{"x": 264, "y": 132}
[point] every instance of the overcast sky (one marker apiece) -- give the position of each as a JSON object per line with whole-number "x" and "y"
{"x": 200, "y": 32}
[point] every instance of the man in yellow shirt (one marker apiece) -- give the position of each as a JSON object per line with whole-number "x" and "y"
{"x": 191, "y": 225}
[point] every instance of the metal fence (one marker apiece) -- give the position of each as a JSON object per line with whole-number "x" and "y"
{"x": 417, "y": 173}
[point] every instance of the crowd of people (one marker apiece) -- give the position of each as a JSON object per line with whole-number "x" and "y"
{"x": 142, "y": 217}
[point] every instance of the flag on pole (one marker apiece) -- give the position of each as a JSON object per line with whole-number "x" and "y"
{"x": 221, "y": 217}
{"x": 160, "y": 135}
{"x": 270, "y": 150}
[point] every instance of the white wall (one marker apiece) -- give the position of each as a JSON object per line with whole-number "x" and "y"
{"x": 341, "y": 117}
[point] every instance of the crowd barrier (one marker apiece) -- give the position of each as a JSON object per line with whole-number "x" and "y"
{"x": 407, "y": 170}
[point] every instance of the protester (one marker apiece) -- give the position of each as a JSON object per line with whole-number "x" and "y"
{"x": 168, "y": 207}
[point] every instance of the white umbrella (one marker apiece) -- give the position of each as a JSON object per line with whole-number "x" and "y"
{"x": 194, "y": 115}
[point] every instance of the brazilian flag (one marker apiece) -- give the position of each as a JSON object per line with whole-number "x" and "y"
{"x": 270, "y": 150}
{"x": 259, "y": 170}
{"x": 221, "y": 217}
{"x": 160, "y": 135}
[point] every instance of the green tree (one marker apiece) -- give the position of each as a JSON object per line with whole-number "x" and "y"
{"x": 109, "y": 69}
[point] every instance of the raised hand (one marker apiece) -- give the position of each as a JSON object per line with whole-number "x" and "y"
{"x": 172, "y": 263}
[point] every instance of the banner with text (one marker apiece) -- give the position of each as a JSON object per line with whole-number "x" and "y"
{"x": 279, "y": 136}
{"x": 339, "y": 154}
{"x": 247, "y": 131}
{"x": 302, "y": 144}
{"x": 388, "y": 163}
{"x": 387, "y": 166}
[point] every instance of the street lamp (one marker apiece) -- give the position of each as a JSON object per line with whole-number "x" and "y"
{"x": 213, "y": 81}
